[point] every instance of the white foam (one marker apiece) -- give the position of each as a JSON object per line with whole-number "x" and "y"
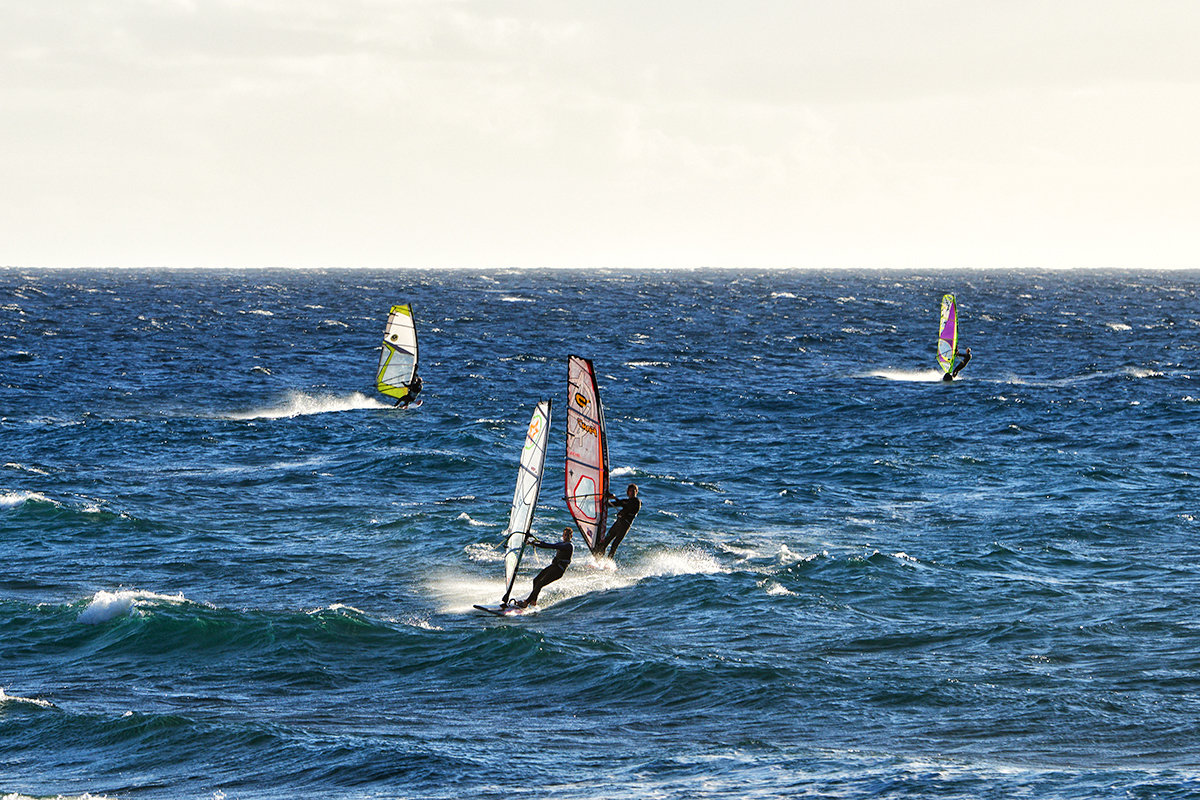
{"x": 24, "y": 468}
{"x": 20, "y": 498}
{"x": 465, "y": 517}
{"x": 909, "y": 375}
{"x": 622, "y": 471}
{"x": 299, "y": 404}
{"x": 483, "y": 552}
{"x": 337, "y": 607}
{"x": 1117, "y": 326}
{"x": 456, "y": 594}
{"x": 8, "y": 698}
{"x": 106, "y": 606}
{"x": 776, "y": 589}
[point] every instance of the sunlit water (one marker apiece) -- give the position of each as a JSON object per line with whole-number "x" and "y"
{"x": 231, "y": 569}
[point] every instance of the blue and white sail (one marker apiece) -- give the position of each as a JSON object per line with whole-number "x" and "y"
{"x": 529, "y": 484}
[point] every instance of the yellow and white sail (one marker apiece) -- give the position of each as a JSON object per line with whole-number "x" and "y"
{"x": 398, "y": 359}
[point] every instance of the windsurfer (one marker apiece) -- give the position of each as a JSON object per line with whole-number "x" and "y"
{"x": 963, "y": 359}
{"x": 414, "y": 389}
{"x": 562, "y": 560}
{"x": 630, "y": 507}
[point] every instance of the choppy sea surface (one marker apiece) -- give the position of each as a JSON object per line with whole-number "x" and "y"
{"x": 230, "y": 570}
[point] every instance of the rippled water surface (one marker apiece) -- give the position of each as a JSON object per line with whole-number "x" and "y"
{"x": 231, "y": 570}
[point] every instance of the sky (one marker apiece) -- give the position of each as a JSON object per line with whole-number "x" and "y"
{"x": 914, "y": 134}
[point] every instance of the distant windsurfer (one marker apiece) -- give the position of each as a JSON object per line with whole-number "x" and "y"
{"x": 414, "y": 389}
{"x": 630, "y": 507}
{"x": 963, "y": 359}
{"x": 562, "y": 560}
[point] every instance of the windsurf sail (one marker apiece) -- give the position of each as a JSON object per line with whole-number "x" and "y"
{"x": 587, "y": 453}
{"x": 398, "y": 359}
{"x": 947, "y": 333}
{"x": 529, "y": 483}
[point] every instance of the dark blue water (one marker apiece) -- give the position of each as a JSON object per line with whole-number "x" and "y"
{"x": 230, "y": 571}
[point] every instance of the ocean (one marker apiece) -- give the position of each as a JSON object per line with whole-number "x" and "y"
{"x": 232, "y": 570}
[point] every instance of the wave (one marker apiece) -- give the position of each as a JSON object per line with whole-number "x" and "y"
{"x": 467, "y": 518}
{"x": 8, "y": 698}
{"x": 1125, "y": 372}
{"x": 299, "y": 404}
{"x": 12, "y": 499}
{"x": 25, "y": 468}
{"x": 106, "y": 606}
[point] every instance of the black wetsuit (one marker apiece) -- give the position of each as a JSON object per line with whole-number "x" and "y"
{"x": 630, "y": 507}
{"x": 562, "y": 560}
{"x": 414, "y": 389}
{"x": 966, "y": 357}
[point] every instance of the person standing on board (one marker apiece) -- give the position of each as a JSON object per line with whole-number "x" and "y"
{"x": 414, "y": 389}
{"x": 630, "y": 507}
{"x": 562, "y": 560}
{"x": 965, "y": 357}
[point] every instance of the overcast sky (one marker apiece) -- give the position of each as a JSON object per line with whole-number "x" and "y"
{"x": 672, "y": 133}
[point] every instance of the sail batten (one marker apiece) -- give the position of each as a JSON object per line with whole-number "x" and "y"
{"x": 525, "y": 497}
{"x": 398, "y": 357}
{"x": 947, "y": 333}
{"x": 587, "y": 453}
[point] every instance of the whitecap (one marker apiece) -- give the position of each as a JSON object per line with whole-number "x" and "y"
{"x": 337, "y": 608}
{"x": 8, "y": 698}
{"x": 106, "y": 606}
{"x": 465, "y": 517}
{"x": 775, "y": 589}
{"x": 25, "y": 468}
{"x": 20, "y": 498}
{"x": 1117, "y": 326}
{"x": 787, "y": 556}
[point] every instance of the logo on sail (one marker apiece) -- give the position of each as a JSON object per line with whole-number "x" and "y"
{"x": 535, "y": 427}
{"x": 580, "y": 400}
